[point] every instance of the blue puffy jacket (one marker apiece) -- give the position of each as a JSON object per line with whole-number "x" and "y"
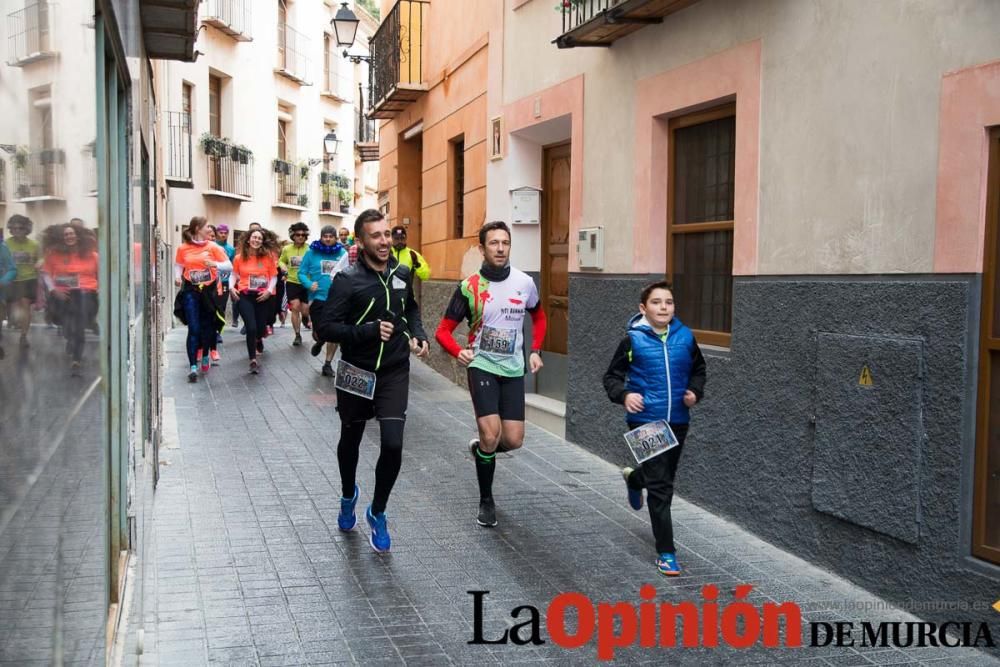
{"x": 312, "y": 268}
{"x": 8, "y": 269}
{"x": 659, "y": 367}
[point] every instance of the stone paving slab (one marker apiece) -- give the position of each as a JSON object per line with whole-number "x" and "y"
{"x": 245, "y": 565}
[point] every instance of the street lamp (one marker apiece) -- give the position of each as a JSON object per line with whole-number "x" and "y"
{"x": 345, "y": 26}
{"x": 331, "y": 143}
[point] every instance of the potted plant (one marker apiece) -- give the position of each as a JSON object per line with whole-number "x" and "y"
{"x": 346, "y": 197}
{"x": 303, "y": 200}
{"x": 326, "y": 189}
{"x": 23, "y": 191}
{"x": 213, "y": 146}
{"x": 303, "y": 170}
{"x": 21, "y": 157}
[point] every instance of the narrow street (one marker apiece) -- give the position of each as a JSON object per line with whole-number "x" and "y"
{"x": 244, "y": 564}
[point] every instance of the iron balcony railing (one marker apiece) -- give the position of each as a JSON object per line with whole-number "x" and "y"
{"x": 577, "y": 12}
{"x": 231, "y": 173}
{"x": 39, "y": 174}
{"x": 292, "y": 49}
{"x": 290, "y": 183}
{"x": 29, "y": 33}
{"x": 230, "y": 16}
{"x": 3, "y": 181}
{"x": 365, "y": 130}
{"x": 397, "y": 50}
{"x": 335, "y": 191}
{"x": 178, "y": 146}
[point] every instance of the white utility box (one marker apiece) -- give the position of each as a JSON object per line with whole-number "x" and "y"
{"x": 590, "y": 248}
{"x": 525, "y": 204}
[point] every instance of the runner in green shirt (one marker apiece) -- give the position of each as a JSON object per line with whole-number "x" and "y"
{"x": 21, "y": 293}
{"x": 291, "y": 258}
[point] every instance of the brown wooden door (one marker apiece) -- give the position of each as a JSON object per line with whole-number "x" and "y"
{"x": 555, "y": 246}
{"x": 986, "y": 528}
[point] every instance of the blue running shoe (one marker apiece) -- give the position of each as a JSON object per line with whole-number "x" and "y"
{"x": 380, "y": 531}
{"x": 634, "y": 495}
{"x": 667, "y": 565}
{"x": 346, "y": 520}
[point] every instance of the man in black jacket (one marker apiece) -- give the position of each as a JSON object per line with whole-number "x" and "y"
{"x": 372, "y": 314}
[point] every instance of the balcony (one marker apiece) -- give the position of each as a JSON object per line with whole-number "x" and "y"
{"x": 29, "y": 34}
{"x": 365, "y": 133}
{"x": 336, "y": 194}
{"x": 3, "y": 181}
{"x": 290, "y": 185}
{"x": 231, "y": 17}
{"x": 397, "y": 51}
{"x": 293, "y": 63}
{"x": 178, "y": 149}
{"x": 230, "y": 169}
{"x": 38, "y": 176}
{"x": 335, "y": 85}
{"x": 602, "y": 22}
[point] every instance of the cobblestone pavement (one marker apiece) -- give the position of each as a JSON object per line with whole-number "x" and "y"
{"x": 245, "y": 564}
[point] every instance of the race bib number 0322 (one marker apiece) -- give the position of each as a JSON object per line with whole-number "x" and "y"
{"x": 650, "y": 440}
{"x": 498, "y": 342}
{"x": 355, "y": 380}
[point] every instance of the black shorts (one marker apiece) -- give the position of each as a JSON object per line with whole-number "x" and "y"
{"x": 392, "y": 392}
{"x": 496, "y": 395}
{"x": 21, "y": 289}
{"x": 296, "y": 292}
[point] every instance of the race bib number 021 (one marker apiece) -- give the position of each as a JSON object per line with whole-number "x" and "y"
{"x": 650, "y": 440}
{"x": 498, "y": 342}
{"x": 355, "y": 380}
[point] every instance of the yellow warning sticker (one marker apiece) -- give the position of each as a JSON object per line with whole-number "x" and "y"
{"x": 866, "y": 377}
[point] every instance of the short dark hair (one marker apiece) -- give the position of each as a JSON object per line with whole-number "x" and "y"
{"x": 489, "y": 227}
{"x": 20, "y": 220}
{"x": 648, "y": 290}
{"x": 298, "y": 227}
{"x": 366, "y": 216}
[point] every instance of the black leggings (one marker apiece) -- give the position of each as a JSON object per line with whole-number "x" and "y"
{"x": 77, "y": 311}
{"x": 254, "y": 314}
{"x": 390, "y": 459}
{"x": 657, "y": 476}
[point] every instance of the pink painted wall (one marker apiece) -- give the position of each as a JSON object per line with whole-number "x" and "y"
{"x": 970, "y": 103}
{"x": 562, "y": 99}
{"x": 734, "y": 73}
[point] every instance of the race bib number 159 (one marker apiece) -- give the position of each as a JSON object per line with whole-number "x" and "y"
{"x": 499, "y": 342}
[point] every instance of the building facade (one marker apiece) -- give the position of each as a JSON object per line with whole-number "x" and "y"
{"x": 79, "y": 427}
{"x": 247, "y": 122}
{"x": 818, "y": 181}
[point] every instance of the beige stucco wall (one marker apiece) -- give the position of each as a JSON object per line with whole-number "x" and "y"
{"x": 848, "y": 122}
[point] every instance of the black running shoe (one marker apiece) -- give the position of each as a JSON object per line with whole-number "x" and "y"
{"x": 298, "y": 340}
{"x": 487, "y": 513}
{"x": 316, "y": 348}
{"x": 327, "y": 370}
{"x": 260, "y": 345}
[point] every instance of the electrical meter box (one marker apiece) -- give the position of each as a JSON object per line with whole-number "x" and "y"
{"x": 590, "y": 248}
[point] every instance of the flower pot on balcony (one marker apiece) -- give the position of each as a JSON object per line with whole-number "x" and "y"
{"x": 326, "y": 206}
{"x": 345, "y": 208}
{"x": 303, "y": 200}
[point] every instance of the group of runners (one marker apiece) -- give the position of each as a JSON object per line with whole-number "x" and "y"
{"x": 367, "y": 308}
{"x": 58, "y": 275}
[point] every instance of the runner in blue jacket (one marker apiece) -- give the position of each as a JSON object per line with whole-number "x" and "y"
{"x": 657, "y": 373}
{"x": 324, "y": 259}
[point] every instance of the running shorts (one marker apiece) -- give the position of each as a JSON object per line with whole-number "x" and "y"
{"x": 22, "y": 289}
{"x": 392, "y": 391}
{"x": 296, "y": 292}
{"x": 496, "y": 395}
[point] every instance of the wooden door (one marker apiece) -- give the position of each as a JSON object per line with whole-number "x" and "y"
{"x": 555, "y": 246}
{"x": 986, "y": 525}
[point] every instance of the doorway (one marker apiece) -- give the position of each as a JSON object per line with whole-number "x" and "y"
{"x": 409, "y": 193}
{"x": 986, "y": 514}
{"x": 554, "y": 287}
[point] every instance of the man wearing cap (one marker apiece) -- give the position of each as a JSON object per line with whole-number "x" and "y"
{"x": 409, "y": 257}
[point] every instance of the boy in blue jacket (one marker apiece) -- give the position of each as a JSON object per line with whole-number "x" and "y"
{"x": 658, "y": 372}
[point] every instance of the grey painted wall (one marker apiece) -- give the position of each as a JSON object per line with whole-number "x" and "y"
{"x": 784, "y": 416}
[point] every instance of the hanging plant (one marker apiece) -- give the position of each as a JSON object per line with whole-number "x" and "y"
{"x": 21, "y": 157}
{"x": 345, "y": 196}
{"x": 303, "y": 200}
{"x": 303, "y": 170}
